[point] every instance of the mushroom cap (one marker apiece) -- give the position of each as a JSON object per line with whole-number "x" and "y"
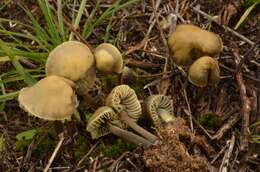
{"x": 123, "y": 97}
{"x": 154, "y": 103}
{"x": 188, "y": 42}
{"x": 204, "y": 71}
{"x": 97, "y": 122}
{"x": 51, "y": 98}
{"x": 108, "y": 59}
{"x": 71, "y": 59}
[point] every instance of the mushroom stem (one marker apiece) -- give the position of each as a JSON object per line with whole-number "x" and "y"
{"x": 131, "y": 123}
{"x": 128, "y": 136}
{"x": 165, "y": 116}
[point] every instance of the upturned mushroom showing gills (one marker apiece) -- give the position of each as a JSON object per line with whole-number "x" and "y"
{"x": 108, "y": 59}
{"x": 51, "y": 98}
{"x": 204, "y": 71}
{"x": 124, "y": 101}
{"x": 105, "y": 121}
{"x": 159, "y": 109}
{"x": 188, "y": 42}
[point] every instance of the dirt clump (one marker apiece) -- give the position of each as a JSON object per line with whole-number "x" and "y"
{"x": 173, "y": 152}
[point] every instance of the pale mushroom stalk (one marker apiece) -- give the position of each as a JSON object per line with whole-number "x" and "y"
{"x": 131, "y": 123}
{"x": 104, "y": 121}
{"x": 164, "y": 115}
{"x": 129, "y": 136}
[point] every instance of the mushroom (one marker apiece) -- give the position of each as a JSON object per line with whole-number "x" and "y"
{"x": 73, "y": 60}
{"x": 204, "y": 71}
{"x": 188, "y": 42}
{"x": 108, "y": 59}
{"x": 128, "y": 75}
{"x": 124, "y": 101}
{"x": 105, "y": 121}
{"x": 159, "y": 108}
{"x": 51, "y": 98}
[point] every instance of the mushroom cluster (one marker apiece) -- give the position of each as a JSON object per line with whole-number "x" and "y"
{"x": 70, "y": 70}
{"x": 197, "y": 47}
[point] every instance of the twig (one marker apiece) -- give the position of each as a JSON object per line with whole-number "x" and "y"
{"x": 141, "y": 64}
{"x": 247, "y": 55}
{"x": 225, "y": 163}
{"x": 224, "y": 27}
{"x": 130, "y": 162}
{"x": 89, "y": 152}
{"x": 188, "y": 112}
{"x": 113, "y": 166}
{"x": 233, "y": 70}
{"x": 61, "y": 136}
{"x": 219, "y": 153}
{"x": 229, "y": 124}
{"x": 245, "y": 112}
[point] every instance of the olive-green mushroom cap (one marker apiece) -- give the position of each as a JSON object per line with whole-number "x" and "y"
{"x": 108, "y": 59}
{"x": 97, "y": 123}
{"x": 155, "y": 105}
{"x": 123, "y": 98}
{"x": 204, "y": 71}
{"x": 188, "y": 42}
{"x": 71, "y": 60}
{"x": 51, "y": 98}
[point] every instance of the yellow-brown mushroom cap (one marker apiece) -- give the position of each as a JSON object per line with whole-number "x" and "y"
{"x": 188, "y": 42}
{"x": 204, "y": 71}
{"x": 51, "y": 98}
{"x": 156, "y": 103}
{"x": 71, "y": 59}
{"x": 123, "y": 97}
{"x": 97, "y": 123}
{"x": 108, "y": 59}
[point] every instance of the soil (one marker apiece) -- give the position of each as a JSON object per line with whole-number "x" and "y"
{"x": 174, "y": 151}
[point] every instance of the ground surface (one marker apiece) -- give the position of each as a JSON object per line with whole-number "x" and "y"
{"x": 140, "y": 30}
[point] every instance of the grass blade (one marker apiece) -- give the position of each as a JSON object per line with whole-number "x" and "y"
{"x": 246, "y": 13}
{"x": 78, "y": 18}
{"x": 27, "y": 77}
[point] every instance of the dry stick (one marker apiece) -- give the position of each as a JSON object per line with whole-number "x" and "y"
{"x": 245, "y": 112}
{"x": 224, "y": 27}
{"x": 227, "y": 156}
{"x": 258, "y": 105}
{"x": 233, "y": 70}
{"x": 189, "y": 109}
{"x": 219, "y": 153}
{"x": 113, "y": 166}
{"x": 141, "y": 64}
{"x": 247, "y": 55}
{"x": 61, "y": 136}
{"x": 89, "y": 152}
{"x": 229, "y": 124}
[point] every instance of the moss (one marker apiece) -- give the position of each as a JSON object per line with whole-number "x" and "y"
{"x": 46, "y": 144}
{"x": 210, "y": 120}
{"x": 81, "y": 148}
{"x": 116, "y": 149}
